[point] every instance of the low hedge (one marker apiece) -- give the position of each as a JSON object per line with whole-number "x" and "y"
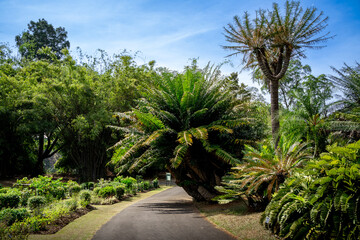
{"x": 9, "y": 216}
{"x": 9, "y": 200}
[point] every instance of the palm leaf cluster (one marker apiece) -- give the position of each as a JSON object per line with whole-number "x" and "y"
{"x": 263, "y": 171}
{"x": 179, "y": 123}
{"x": 272, "y": 37}
{"x": 321, "y": 202}
{"x": 348, "y": 81}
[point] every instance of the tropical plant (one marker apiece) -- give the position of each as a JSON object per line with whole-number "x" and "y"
{"x": 263, "y": 171}
{"x": 322, "y": 201}
{"x": 270, "y": 41}
{"x": 184, "y": 122}
{"x": 348, "y": 81}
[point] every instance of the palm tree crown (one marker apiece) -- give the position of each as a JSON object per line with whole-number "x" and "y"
{"x": 183, "y": 121}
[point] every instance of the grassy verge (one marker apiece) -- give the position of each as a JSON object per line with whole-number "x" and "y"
{"x": 234, "y": 218}
{"x": 86, "y": 226}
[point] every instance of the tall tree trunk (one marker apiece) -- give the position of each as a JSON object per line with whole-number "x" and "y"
{"x": 274, "y": 98}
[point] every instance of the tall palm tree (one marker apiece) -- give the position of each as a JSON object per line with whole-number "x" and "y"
{"x": 188, "y": 122}
{"x": 272, "y": 39}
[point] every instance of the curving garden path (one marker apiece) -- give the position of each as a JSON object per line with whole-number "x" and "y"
{"x": 167, "y": 215}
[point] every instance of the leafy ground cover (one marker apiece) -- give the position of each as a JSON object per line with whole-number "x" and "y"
{"x": 235, "y": 218}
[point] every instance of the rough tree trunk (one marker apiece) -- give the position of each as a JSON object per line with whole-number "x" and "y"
{"x": 274, "y": 96}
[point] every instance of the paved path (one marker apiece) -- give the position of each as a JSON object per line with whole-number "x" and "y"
{"x": 167, "y": 215}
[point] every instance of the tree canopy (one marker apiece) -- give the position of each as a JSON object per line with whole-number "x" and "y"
{"x": 41, "y": 34}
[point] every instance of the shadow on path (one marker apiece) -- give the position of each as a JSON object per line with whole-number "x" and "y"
{"x": 166, "y": 215}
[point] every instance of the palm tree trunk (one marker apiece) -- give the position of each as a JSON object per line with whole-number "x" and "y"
{"x": 274, "y": 98}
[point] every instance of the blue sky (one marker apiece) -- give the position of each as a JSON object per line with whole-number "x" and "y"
{"x": 173, "y": 31}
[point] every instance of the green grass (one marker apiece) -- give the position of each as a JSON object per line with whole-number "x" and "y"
{"x": 86, "y": 226}
{"x": 235, "y": 219}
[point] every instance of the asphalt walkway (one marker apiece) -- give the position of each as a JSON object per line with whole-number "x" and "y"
{"x": 167, "y": 215}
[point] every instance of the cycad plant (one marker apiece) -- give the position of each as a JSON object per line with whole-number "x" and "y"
{"x": 271, "y": 39}
{"x": 185, "y": 122}
{"x": 263, "y": 171}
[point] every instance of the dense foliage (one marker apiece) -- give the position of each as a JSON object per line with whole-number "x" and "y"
{"x": 322, "y": 201}
{"x": 31, "y": 206}
{"x": 263, "y": 171}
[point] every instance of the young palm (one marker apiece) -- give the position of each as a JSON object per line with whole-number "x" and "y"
{"x": 271, "y": 39}
{"x": 180, "y": 123}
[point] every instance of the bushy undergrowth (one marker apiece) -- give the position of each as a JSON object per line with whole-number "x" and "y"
{"x": 108, "y": 191}
{"x": 47, "y": 200}
{"x": 9, "y": 215}
{"x": 85, "y": 198}
{"x": 9, "y": 200}
{"x": 322, "y": 201}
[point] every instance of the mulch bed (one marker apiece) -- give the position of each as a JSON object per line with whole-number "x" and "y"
{"x": 65, "y": 220}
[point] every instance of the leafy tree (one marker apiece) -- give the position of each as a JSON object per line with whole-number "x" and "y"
{"x": 293, "y": 79}
{"x": 185, "y": 122}
{"x": 16, "y": 144}
{"x": 271, "y": 40}
{"x": 41, "y": 34}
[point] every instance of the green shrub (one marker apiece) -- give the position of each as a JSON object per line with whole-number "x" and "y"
{"x": 4, "y": 190}
{"x": 90, "y": 185}
{"x": 71, "y": 204}
{"x": 85, "y": 198}
{"x": 108, "y": 191}
{"x": 74, "y": 190}
{"x": 96, "y": 190}
{"x": 36, "y": 223}
{"x": 129, "y": 181}
{"x": 9, "y": 200}
{"x": 322, "y": 201}
{"x": 118, "y": 179}
{"x": 134, "y": 189}
{"x": 140, "y": 186}
{"x": 120, "y": 190}
{"x": 146, "y": 185}
{"x": 35, "y": 202}
{"x": 46, "y": 186}
{"x": 59, "y": 193}
{"x": 102, "y": 183}
{"x": 18, "y": 231}
{"x": 87, "y": 185}
{"x": 25, "y": 195}
{"x": 155, "y": 183}
{"x": 9, "y": 215}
